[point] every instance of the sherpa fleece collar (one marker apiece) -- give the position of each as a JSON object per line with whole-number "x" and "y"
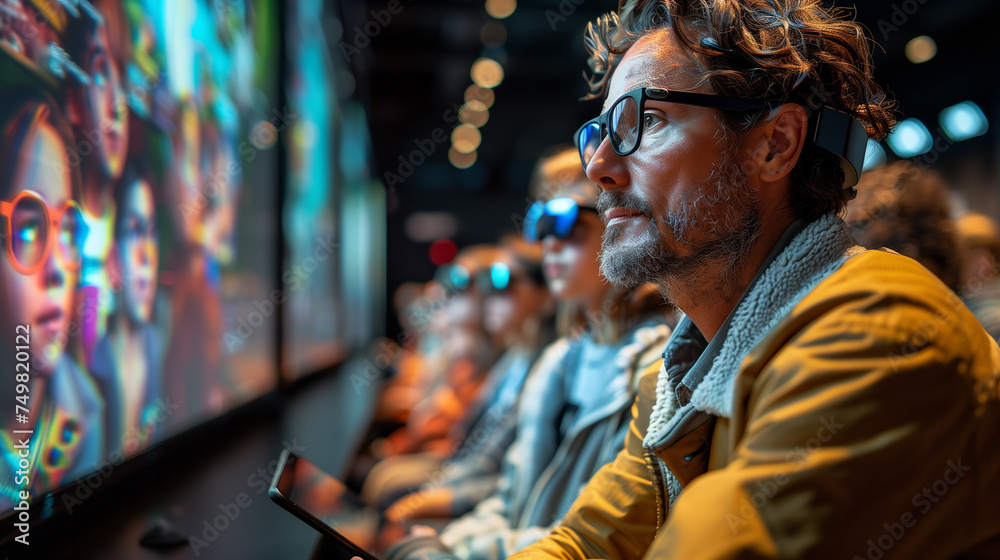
{"x": 810, "y": 257}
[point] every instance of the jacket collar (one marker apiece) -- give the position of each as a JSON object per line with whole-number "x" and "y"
{"x": 794, "y": 270}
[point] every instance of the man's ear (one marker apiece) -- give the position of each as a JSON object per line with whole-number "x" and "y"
{"x": 779, "y": 142}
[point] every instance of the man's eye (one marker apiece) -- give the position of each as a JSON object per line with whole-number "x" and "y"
{"x": 651, "y": 119}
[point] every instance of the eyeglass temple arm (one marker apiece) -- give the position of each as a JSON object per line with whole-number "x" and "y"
{"x": 706, "y": 100}
{"x": 834, "y": 131}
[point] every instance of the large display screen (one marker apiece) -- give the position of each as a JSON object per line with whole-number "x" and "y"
{"x": 334, "y": 272}
{"x": 138, "y": 290}
{"x": 311, "y": 276}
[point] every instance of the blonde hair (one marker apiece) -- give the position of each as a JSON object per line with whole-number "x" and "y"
{"x": 559, "y": 171}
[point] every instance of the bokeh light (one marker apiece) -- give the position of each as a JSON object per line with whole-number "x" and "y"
{"x": 460, "y": 160}
{"x": 964, "y": 121}
{"x": 476, "y": 93}
{"x": 487, "y": 73}
{"x": 501, "y": 9}
{"x": 921, "y": 49}
{"x": 910, "y": 138}
{"x": 474, "y": 113}
{"x": 466, "y": 138}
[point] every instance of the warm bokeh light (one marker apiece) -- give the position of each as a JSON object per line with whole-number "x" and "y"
{"x": 487, "y": 73}
{"x": 921, "y": 49}
{"x": 460, "y": 160}
{"x": 474, "y": 113}
{"x": 263, "y": 135}
{"x": 465, "y": 138}
{"x": 476, "y": 93}
{"x": 501, "y": 9}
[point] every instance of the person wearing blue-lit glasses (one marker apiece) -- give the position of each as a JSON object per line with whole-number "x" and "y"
{"x": 573, "y": 410}
{"x": 817, "y": 400}
{"x": 517, "y": 311}
{"x": 60, "y": 414}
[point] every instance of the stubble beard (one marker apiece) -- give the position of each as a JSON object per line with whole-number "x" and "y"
{"x": 730, "y": 224}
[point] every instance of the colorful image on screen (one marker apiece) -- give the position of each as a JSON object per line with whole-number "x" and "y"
{"x": 137, "y": 186}
{"x": 334, "y": 211}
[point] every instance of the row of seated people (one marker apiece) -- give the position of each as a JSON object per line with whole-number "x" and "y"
{"x": 493, "y": 459}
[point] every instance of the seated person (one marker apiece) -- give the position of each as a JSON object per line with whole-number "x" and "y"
{"x": 905, "y": 208}
{"x": 818, "y": 400}
{"x": 467, "y": 353}
{"x": 573, "y": 411}
{"x": 517, "y": 310}
{"x": 979, "y": 241}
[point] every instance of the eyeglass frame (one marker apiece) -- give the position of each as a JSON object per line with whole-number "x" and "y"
{"x": 832, "y": 130}
{"x": 52, "y": 218}
{"x": 643, "y": 94}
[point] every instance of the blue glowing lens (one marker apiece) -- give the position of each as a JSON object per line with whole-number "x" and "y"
{"x": 564, "y": 212}
{"x": 458, "y": 277}
{"x": 500, "y": 276}
{"x": 556, "y": 217}
{"x": 536, "y": 211}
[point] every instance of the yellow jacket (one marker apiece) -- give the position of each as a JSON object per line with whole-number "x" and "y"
{"x": 866, "y": 424}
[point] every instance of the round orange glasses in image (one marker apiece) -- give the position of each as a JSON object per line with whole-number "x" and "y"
{"x": 29, "y": 220}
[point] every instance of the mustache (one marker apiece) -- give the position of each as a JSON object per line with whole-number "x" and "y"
{"x": 618, "y": 199}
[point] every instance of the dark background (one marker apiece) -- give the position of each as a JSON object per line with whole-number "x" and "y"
{"x": 417, "y": 67}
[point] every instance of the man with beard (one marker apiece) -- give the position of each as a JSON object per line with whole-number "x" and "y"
{"x": 817, "y": 400}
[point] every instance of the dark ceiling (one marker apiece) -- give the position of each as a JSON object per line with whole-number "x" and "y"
{"x": 417, "y": 67}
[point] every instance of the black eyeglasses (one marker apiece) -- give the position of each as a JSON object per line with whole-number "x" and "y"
{"x": 623, "y": 122}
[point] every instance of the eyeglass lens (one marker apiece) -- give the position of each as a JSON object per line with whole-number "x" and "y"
{"x": 29, "y": 229}
{"x": 623, "y": 125}
{"x": 70, "y": 234}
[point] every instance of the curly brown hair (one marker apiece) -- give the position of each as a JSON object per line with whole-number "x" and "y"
{"x": 775, "y": 51}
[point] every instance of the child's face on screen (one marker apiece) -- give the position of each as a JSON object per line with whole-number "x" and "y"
{"x": 107, "y": 109}
{"x": 42, "y": 298}
{"x": 140, "y": 254}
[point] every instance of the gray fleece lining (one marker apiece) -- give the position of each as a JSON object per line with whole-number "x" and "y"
{"x": 817, "y": 251}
